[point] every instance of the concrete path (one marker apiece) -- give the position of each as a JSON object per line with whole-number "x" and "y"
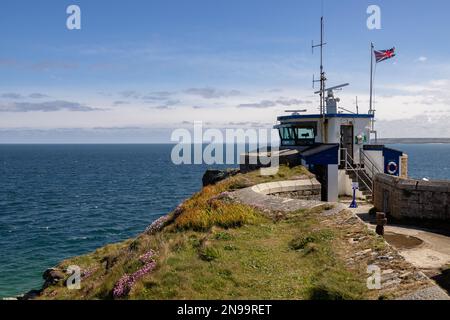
{"x": 434, "y": 251}
{"x": 272, "y": 203}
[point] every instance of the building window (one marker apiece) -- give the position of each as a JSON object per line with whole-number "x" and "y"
{"x": 299, "y": 135}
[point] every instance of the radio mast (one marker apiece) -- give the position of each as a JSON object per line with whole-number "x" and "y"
{"x": 323, "y": 78}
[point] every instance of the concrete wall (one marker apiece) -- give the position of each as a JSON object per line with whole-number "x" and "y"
{"x": 376, "y": 156}
{"x": 405, "y": 199}
{"x": 293, "y": 189}
{"x": 333, "y": 183}
{"x": 345, "y": 186}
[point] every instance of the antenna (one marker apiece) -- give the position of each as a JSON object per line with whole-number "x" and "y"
{"x": 334, "y": 88}
{"x": 347, "y": 110}
{"x": 322, "y": 73}
{"x": 295, "y": 111}
{"x": 357, "y": 105}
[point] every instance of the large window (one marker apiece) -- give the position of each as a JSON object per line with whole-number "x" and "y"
{"x": 298, "y": 135}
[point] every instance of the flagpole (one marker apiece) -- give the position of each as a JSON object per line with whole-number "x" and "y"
{"x": 371, "y": 111}
{"x": 371, "y": 79}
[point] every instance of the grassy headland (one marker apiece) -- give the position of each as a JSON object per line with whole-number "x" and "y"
{"x": 213, "y": 248}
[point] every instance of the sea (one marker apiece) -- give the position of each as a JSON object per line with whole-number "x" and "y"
{"x": 60, "y": 201}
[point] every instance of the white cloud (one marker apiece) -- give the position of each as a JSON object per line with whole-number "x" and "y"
{"x": 422, "y": 59}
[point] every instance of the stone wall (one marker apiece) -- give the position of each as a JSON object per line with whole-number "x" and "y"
{"x": 306, "y": 189}
{"x": 406, "y": 199}
{"x": 313, "y": 194}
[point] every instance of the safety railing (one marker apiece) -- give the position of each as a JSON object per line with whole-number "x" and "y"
{"x": 370, "y": 167}
{"x": 361, "y": 175}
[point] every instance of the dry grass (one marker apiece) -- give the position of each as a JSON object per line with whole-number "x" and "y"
{"x": 205, "y": 209}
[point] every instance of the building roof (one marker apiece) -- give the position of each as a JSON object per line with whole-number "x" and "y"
{"x": 328, "y": 115}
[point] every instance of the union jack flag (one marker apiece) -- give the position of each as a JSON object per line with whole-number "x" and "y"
{"x": 382, "y": 55}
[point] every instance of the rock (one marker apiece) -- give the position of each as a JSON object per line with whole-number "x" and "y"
{"x": 386, "y": 258}
{"x": 420, "y": 276}
{"x": 212, "y": 177}
{"x": 388, "y": 276}
{"x": 430, "y": 293}
{"x": 33, "y": 294}
{"x": 223, "y": 196}
{"x": 405, "y": 275}
{"x": 391, "y": 283}
{"x": 363, "y": 253}
{"x": 52, "y": 276}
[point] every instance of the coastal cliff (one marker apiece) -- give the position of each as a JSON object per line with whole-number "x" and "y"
{"x": 230, "y": 241}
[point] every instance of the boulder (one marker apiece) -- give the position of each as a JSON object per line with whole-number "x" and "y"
{"x": 52, "y": 276}
{"x": 33, "y": 294}
{"x": 211, "y": 177}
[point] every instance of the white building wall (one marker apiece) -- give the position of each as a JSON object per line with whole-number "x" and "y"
{"x": 376, "y": 156}
{"x": 345, "y": 186}
{"x": 361, "y": 127}
{"x": 333, "y": 183}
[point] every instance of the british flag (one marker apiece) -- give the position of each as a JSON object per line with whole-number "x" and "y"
{"x": 382, "y": 55}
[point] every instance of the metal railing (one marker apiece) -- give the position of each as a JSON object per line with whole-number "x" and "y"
{"x": 361, "y": 174}
{"x": 373, "y": 170}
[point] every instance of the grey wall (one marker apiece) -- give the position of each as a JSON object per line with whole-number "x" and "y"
{"x": 412, "y": 199}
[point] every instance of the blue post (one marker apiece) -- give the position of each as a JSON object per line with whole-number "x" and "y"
{"x": 354, "y": 205}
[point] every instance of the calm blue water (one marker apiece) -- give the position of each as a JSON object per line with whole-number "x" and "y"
{"x": 59, "y": 201}
{"x": 430, "y": 161}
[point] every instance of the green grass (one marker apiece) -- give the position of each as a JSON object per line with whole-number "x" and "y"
{"x": 217, "y": 249}
{"x": 261, "y": 265}
{"x": 251, "y": 262}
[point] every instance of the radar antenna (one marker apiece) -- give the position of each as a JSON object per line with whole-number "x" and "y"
{"x": 334, "y": 88}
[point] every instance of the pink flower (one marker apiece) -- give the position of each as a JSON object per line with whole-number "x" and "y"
{"x": 126, "y": 283}
{"x": 157, "y": 225}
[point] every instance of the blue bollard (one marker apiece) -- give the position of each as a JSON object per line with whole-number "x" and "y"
{"x": 354, "y": 204}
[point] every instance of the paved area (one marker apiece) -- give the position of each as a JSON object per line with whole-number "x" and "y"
{"x": 272, "y": 203}
{"x": 431, "y": 293}
{"x": 432, "y": 253}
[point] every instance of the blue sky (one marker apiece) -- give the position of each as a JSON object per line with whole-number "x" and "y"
{"x": 137, "y": 69}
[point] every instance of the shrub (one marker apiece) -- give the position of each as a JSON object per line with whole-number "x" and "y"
{"x": 221, "y": 214}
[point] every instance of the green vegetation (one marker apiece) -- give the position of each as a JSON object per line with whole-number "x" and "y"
{"x": 311, "y": 239}
{"x": 214, "y": 248}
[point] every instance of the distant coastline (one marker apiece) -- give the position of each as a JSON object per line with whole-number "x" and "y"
{"x": 413, "y": 140}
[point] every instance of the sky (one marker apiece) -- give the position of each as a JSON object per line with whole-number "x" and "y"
{"x": 139, "y": 69}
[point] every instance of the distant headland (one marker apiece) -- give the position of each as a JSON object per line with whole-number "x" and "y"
{"x": 413, "y": 140}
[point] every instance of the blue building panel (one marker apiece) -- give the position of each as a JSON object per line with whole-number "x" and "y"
{"x": 392, "y": 161}
{"x": 328, "y": 155}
